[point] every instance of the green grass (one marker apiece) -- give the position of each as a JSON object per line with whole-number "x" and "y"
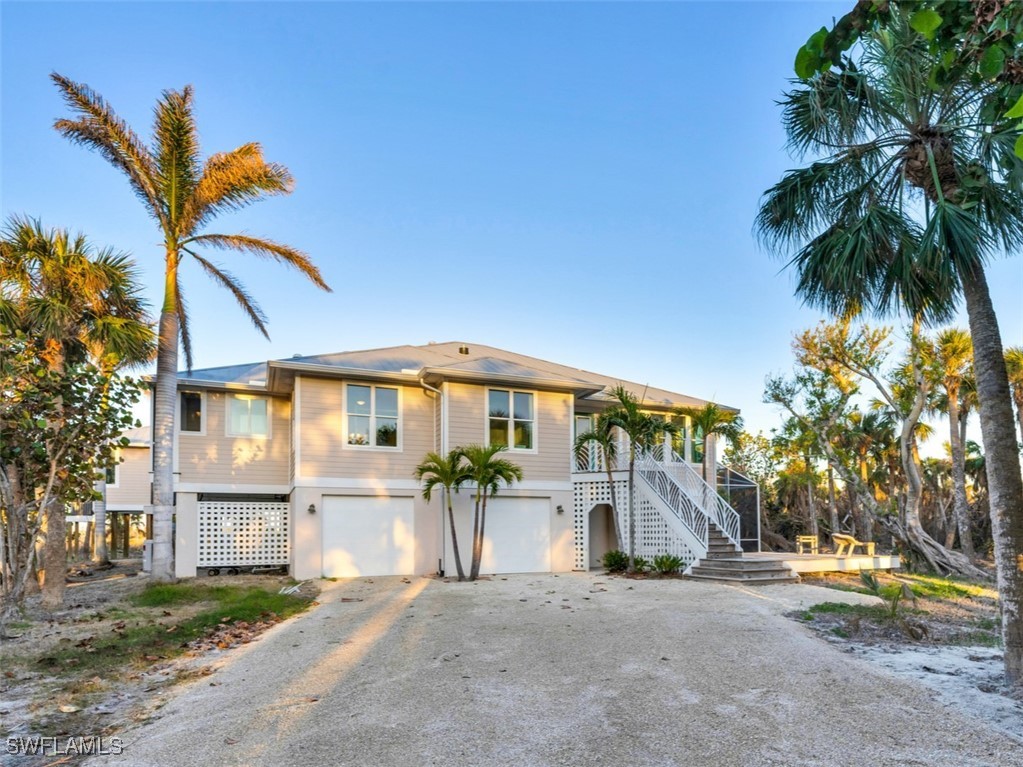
{"x": 143, "y": 636}
{"x": 935, "y": 587}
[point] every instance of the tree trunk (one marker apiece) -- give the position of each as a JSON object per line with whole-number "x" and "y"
{"x": 832, "y": 502}
{"x": 1017, "y": 398}
{"x": 454, "y": 536}
{"x": 55, "y": 556}
{"x": 632, "y": 509}
{"x": 961, "y": 506}
{"x": 1005, "y": 484}
{"x": 477, "y": 544}
{"x": 164, "y": 418}
{"x": 614, "y": 500}
{"x": 99, "y": 516}
{"x": 811, "y": 503}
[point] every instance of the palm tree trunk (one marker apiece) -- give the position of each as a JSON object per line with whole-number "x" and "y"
{"x": 832, "y": 502}
{"x": 454, "y": 536}
{"x": 164, "y": 418}
{"x": 483, "y": 525}
{"x": 1005, "y": 484}
{"x": 477, "y": 544}
{"x": 55, "y": 555}
{"x": 99, "y": 516}
{"x": 961, "y": 507}
{"x": 632, "y": 508}
{"x": 614, "y": 502}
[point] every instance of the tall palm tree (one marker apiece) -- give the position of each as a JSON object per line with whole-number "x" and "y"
{"x": 603, "y": 437}
{"x": 711, "y": 420}
{"x": 1014, "y": 365}
{"x": 183, "y": 193}
{"x": 953, "y": 356}
{"x": 488, "y": 472}
{"x": 77, "y": 304}
{"x": 449, "y": 472}
{"x": 910, "y": 191}
{"x": 643, "y": 430}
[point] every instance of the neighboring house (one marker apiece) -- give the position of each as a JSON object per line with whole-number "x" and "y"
{"x": 129, "y": 482}
{"x": 309, "y": 461}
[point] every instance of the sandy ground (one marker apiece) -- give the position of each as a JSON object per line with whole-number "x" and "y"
{"x": 557, "y": 670}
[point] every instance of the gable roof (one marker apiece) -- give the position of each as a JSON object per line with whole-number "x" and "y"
{"x": 434, "y": 362}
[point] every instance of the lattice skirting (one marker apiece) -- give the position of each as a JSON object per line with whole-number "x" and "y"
{"x": 243, "y": 534}
{"x": 653, "y": 535}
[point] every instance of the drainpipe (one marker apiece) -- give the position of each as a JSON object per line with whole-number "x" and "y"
{"x": 440, "y": 397}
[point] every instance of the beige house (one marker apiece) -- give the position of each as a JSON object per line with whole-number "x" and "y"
{"x": 309, "y": 461}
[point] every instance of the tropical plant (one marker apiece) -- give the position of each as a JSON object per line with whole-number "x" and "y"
{"x": 643, "y": 430}
{"x": 74, "y": 303}
{"x": 640, "y": 564}
{"x": 448, "y": 472}
{"x": 603, "y": 438}
{"x": 615, "y": 561}
{"x": 1014, "y": 367}
{"x": 711, "y": 420}
{"x": 953, "y": 356}
{"x": 915, "y": 184}
{"x": 184, "y": 194}
{"x": 488, "y": 473}
{"x": 666, "y": 564}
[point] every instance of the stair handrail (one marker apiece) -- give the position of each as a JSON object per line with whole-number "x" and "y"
{"x": 703, "y": 495}
{"x": 674, "y": 497}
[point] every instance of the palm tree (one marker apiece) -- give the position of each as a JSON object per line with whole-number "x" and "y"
{"x": 488, "y": 472}
{"x": 603, "y": 437}
{"x": 711, "y": 420}
{"x": 953, "y": 355}
{"x": 183, "y": 193}
{"x": 448, "y": 472}
{"x": 77, "y": 304}
{"x": 796, "y": 439}
{"x": 889, "y": 129}
{"x": 1014, "y": 365}
{"x": 643, "y": 430}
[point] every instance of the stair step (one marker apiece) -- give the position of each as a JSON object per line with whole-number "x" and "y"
{"x": 748, "y": 579}
{"x": 742, "y": 565}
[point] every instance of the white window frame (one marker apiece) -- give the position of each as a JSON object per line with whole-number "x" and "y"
{"x": 227, "y": 415}
{"x": 203, "y": 413}
{"x": 511, "y": 417}
{"x": 117, "y": 474}
{"x": 372, "y": 416}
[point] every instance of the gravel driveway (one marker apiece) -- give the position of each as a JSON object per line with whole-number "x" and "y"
{"x": 556, "y": 670}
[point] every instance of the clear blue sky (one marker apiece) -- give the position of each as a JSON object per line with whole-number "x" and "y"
{"x": 574, "y": 181}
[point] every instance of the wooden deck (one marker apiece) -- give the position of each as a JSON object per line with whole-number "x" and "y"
{"x": 829, "y": 563}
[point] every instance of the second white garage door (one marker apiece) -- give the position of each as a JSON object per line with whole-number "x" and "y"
{"x": 517, "y": 536}
{"x": 367, "y": 535}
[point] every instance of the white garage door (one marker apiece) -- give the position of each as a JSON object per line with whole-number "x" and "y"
{"x": 517, "y": 536}
{"x": 367, "y": 535}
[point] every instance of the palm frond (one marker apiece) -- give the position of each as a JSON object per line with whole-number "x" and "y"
{"x": 229, "y": 281}
{"x": 234, "y": 180}
{"x": 98, "y": 127}
{"x": 263, "y": 248}
{"x": 181, "y": 308}
{"x": 176, "y": 149}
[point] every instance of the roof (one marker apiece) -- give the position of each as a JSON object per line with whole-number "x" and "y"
{"x": 137, "y": 437}
{"x": 451, "y": 360}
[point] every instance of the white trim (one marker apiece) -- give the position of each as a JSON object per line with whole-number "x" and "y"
{"x": 358, "y": 483}
{"x": 372, "y": 417}
{"x": 121, "y": 507}
{"x": 535, "y": 449}
{"x": 296, "y": 418}
{"x": 444, "y": 436}
{"x": 202, "y": 487}
{"x": 247, "y": 397}
{"x": 203, "y": 413}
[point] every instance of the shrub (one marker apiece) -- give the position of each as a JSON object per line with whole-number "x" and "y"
{"x": 666, "y": 564}
{"x": 615, "y": 561}
{"x": 640, "y": 565}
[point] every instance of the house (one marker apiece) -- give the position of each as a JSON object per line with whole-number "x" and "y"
{"x": 308, "y": 462}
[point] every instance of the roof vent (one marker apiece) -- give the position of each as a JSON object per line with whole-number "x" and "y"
{"x": 463, "y": 349}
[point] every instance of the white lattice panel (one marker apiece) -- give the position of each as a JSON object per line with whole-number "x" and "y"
{"x": 653, "y": 535}
{"x": 243, "y": 534}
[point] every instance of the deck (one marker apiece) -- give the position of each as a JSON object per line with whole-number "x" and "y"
{"x": 829, "y": 563}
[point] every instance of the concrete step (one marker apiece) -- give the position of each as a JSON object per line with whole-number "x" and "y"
{"x": 745, "y": 565}
{"x": 736, "y": 569}
{"x": 749, "y": 579}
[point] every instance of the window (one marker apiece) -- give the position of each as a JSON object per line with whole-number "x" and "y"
{"x": 510, "y": 419}
{"x": 248, "y": 416}
{"x": 371, "y": 418}
{"x": 191, "y": 411}
{"x": 111, "y": 475}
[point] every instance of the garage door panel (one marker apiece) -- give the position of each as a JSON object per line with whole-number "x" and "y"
{"x": 367, "y": 535}
{"x": 517, "y": 536}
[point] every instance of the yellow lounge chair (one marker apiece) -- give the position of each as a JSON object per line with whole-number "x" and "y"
{"x": 849, "y": 544}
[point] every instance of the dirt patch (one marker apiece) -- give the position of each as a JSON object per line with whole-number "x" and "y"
{"x": 110, "y": 657}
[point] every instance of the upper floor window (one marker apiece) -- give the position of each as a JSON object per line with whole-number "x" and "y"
{"x": 191, "y": 411}
{"x": 511, "y": 419}
{"x": 371, "y": 416}
{"x": 248, "y": 416}
{"x": 111, "y": 475}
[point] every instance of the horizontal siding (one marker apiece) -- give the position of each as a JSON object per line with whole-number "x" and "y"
{"x": 323, "y": 451}
{"x": 133, "y": 478}
{"x": 467, "y": 425}
{"x": 218, "y": 459}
